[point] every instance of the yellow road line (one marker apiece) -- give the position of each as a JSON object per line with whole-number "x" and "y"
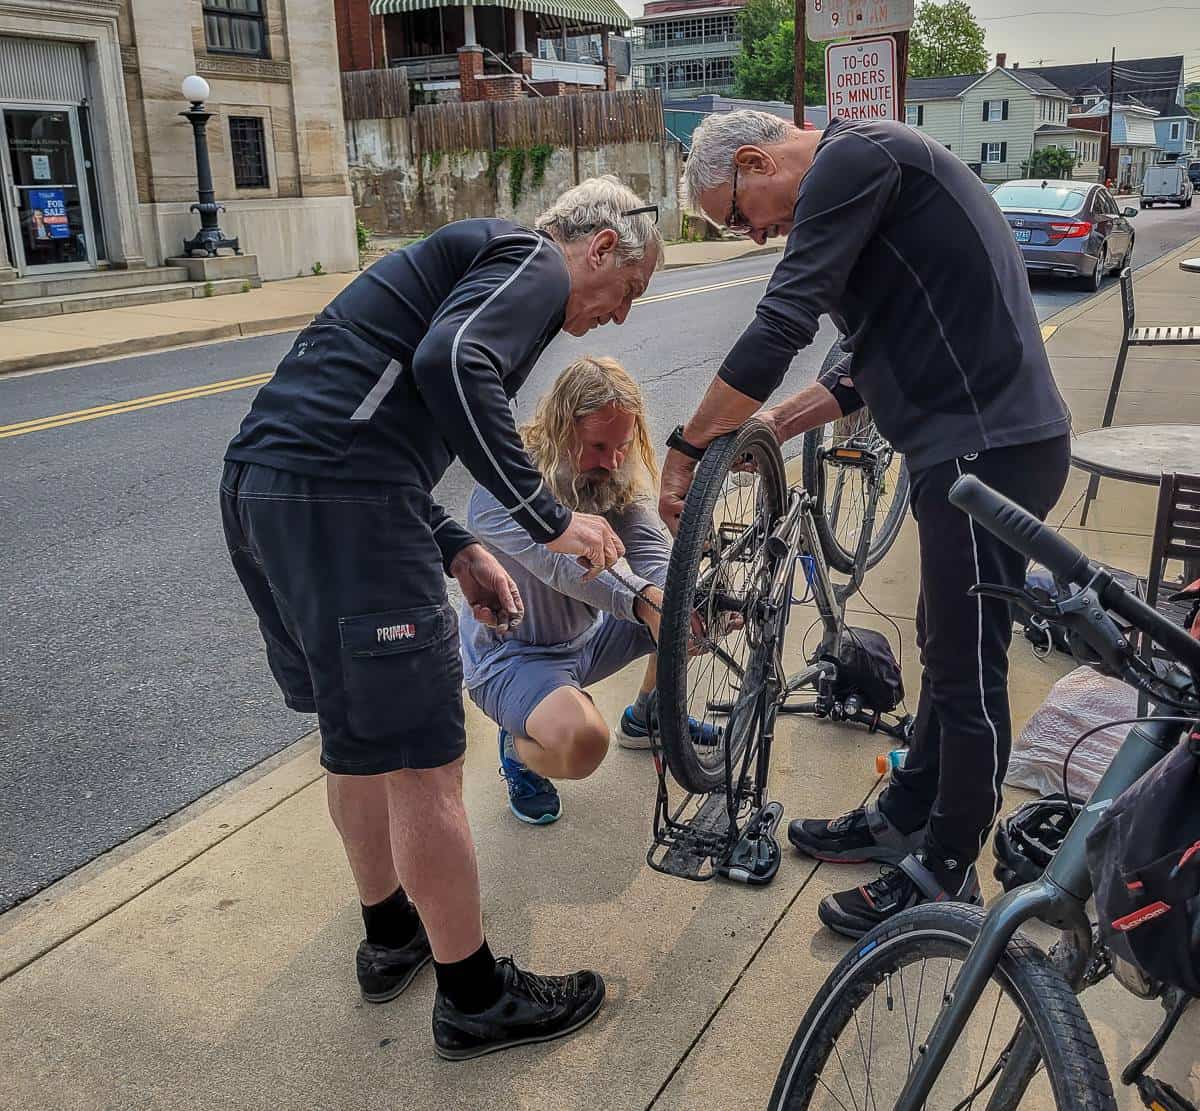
{"x": 136, "y": 404}
{"x": 142, "y": 402}
{"x": 1048, "y": 330}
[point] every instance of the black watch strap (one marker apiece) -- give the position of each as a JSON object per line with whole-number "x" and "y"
{"x": 678, "y": 443}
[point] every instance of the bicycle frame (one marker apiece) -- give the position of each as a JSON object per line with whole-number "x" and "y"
{"x": 749, "y": 852}
{"x": 1058, "y": 898}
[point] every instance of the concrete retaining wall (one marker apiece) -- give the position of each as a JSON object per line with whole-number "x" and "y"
{"x": 396, "y": 196}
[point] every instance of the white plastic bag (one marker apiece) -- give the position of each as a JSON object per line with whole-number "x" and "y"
{"x": 1079, "y": 701}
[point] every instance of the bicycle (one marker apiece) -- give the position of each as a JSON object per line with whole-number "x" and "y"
{"x": 726, "y": 605}
{"x": 863, "y": 1034}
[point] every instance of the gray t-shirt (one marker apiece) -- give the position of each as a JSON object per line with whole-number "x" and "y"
{"x": 562, "y": 612}
{"x": 902, "y": 245}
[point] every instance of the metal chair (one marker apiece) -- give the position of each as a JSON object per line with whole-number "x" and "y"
{"x": 1176, "y": 537}
{"x": 1158, "y": 335}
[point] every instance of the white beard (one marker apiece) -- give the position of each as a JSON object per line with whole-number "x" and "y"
{"x": 594, "y": 495}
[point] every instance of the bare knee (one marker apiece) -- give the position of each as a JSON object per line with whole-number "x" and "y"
{"x": 586, "y": 749}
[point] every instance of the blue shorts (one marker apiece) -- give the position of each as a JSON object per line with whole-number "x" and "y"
{"x": 531, "y": 673}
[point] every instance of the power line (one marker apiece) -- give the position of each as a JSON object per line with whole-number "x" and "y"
{"x": 1090, "y": 15}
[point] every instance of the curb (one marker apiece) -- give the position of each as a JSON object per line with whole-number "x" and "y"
{"x": 146, "y": 345}
{"x": 215, "y": 333}
{"x": 92, "y": 892}
{"x": 1073, "y": 312}
{"x": 718, "y": 261}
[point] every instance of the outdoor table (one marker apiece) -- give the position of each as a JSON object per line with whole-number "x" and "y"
{"x": 1191, "y": 265}
{"x": 1138, "y": 452}
{"x": 1141, "y": 453}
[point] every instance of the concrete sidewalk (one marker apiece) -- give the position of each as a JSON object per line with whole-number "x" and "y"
{"x": 209, "y": 963}
{"x": 276, "y": 307}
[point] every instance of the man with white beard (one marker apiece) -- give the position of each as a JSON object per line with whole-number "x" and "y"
{"x": 590, "y": 441}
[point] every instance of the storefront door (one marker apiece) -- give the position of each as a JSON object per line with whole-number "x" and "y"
{"x": 45, "y": 198}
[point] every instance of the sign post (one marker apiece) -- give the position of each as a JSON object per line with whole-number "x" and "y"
{"x": 861, "y": 79}
{"x": 859, "y": 20}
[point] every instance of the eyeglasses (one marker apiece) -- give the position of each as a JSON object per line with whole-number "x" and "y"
{"x": 639, "y": 211}
{"x": 735, "y": 221}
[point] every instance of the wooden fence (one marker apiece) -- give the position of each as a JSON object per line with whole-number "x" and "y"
{"x": 372, "y": 94}
{"x": 587, "y": 120}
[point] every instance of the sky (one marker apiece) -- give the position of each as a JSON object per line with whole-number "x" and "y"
{"x": 1137, "y": 28}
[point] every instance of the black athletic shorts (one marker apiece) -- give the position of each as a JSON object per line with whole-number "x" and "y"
{"x": 347, "y": 583}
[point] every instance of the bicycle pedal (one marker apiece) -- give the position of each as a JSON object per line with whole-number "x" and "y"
{"x": 755, "y": 858}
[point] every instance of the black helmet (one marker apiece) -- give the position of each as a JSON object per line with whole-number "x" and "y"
{"x": 1027, "y": 840}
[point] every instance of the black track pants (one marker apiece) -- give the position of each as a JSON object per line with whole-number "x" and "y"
{"x": 961, "y": 740}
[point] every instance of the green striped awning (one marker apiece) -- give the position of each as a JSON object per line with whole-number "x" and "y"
{"x": 607, "y": 13}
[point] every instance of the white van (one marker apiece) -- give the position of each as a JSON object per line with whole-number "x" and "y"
{"x": 1167, "y": 184}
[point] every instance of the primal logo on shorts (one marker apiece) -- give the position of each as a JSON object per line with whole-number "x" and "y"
{"x": 387, "y": 634}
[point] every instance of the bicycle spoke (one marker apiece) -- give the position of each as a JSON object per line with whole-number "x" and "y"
{"x": 986, "y": 1043}
{"x": 849, "y": 1086}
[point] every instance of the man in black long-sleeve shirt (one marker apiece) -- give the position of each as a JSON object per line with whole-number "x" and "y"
{"x": 900, "y": 243}
{"x": 328, "y": 511}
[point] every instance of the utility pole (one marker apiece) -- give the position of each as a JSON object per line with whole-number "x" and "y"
{"x": 1112, "y": 66}
{"x": 901, "y": 38}
{"x": 800, "y": 48}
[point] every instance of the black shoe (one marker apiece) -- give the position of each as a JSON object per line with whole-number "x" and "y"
{"x": 384, "y": 973}
{"x": 858, "y": 911}
{"x": 862, "y": 835}
{"x": 530, "y": 1009}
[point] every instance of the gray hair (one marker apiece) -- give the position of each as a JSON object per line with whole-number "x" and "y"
{"x": 718, "y": 139}
{"x": 596, "y": 204}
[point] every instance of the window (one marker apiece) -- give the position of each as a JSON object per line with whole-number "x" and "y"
{"x": 995, "y": 110}
{"x": 994, "y": 152}
{"x": 681, "y": 74}
{"x": 914, "y": 114}
{"x": 1052, "y": 198}
{"x": 1175, "y": 130}
{"x": 718, "y": 70}
{"x": 249, "y": 149}
{"x": 235, "y": 27}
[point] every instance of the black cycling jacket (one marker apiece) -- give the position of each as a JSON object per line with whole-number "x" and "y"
{"x": 901, "y": 244}
{"x": 414, "y": 363}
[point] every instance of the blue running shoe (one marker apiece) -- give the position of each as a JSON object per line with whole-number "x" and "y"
{"x": 633, "y": 732}
{"x": 531, "y": 797}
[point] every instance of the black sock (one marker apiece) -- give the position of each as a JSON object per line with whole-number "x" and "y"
{"x": 471, "y": 984}
{"x": 393, "y": 922}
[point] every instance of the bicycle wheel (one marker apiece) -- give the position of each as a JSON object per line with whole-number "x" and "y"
{"x": 865, "y": 1029}
{"x": 842, "y": 487}
{"x": 711, "y": 660}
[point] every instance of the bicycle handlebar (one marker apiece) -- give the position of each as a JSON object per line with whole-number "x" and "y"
{"x": 1024, "y": 532}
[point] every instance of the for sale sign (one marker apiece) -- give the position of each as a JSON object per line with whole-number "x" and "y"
{"x": 837, "y": 19}
{"x": 860, "y": 79}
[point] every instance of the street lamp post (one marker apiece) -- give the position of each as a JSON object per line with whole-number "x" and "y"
{"x": 209, "y": 240}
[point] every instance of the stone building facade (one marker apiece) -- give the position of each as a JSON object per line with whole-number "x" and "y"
{"x": 97, "y": 168}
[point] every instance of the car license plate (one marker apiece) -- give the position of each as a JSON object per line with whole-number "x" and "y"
{"x": 1024, "y": 235}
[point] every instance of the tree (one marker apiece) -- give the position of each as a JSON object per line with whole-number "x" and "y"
{"x": 945, "y": 40}
{"x": 1192, "y": 98}
{"x": 765, "y": 68}
{"x": 1049, "y": 162}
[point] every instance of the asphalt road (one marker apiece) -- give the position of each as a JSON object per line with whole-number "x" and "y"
{"x": 134, "y": 679}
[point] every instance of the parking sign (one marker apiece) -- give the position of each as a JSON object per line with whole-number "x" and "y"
{"x": 835, "y": 19}
{"x": 860, "y": 79}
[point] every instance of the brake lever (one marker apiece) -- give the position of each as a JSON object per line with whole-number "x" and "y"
{"x": 1022, "y": 599}
{"x": 1092, "y": 635}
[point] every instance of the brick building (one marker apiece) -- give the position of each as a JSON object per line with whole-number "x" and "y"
{"x": 498, "y": 50}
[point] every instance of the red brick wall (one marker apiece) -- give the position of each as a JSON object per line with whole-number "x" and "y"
{"x": 470, "y": 69}
{"x": 358, "y": 35}
{"x": 506, "y": 86}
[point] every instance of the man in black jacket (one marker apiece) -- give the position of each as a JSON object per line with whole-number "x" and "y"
{"x": 899, "y": 242}
{"x": 328, "y": 511}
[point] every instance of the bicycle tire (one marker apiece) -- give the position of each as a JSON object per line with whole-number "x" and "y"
{"x": 1074, "y": 1066}
{"x": 836, "y": 554}
{"x": 680, "y": 592}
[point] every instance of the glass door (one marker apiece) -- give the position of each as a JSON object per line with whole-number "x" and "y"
{"x": 45, "y": 191}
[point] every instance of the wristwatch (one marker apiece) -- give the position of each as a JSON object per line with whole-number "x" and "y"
{"x": 678, "y": 443}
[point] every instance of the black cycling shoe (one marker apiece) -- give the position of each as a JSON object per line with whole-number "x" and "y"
{"x": 530, "y": 1009}
{"x": 863, "y": 835}
{"x": 858, "y": 911}
{"x": 383, "y": 973}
